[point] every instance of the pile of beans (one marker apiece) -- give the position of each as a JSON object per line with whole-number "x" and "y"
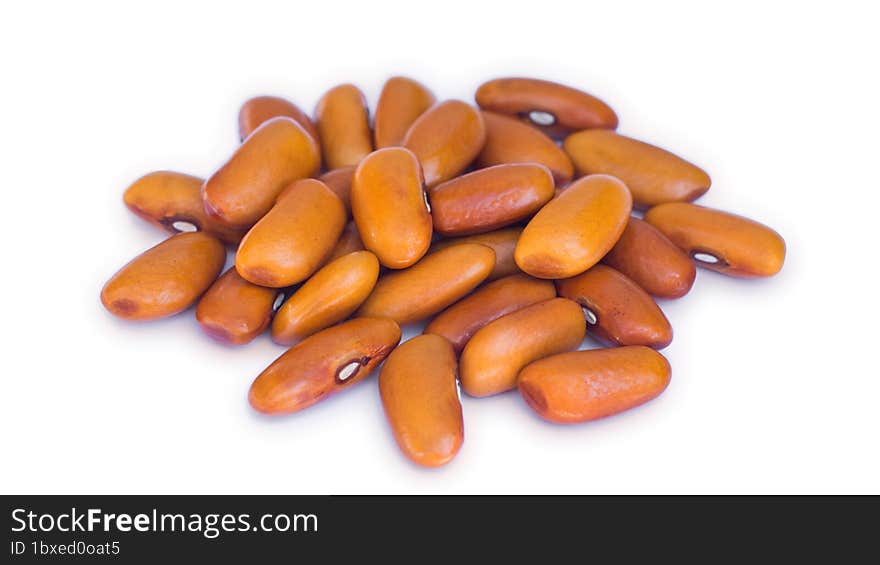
{"x": 509, "y": 225}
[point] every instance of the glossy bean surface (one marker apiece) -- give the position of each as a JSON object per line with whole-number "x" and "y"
{"x": 344, "y": 126}
{"x": 401, "y": 102}
{"x": 509, "y": 140}
{"x": 255, "y": 111}
{"x": 348, "y": 242}
{"x": 235, "y": 311}
{"x": 502, "y": 242}
{"x": 339, "y": 181}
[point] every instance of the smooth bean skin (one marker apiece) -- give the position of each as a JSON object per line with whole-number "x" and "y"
{"x": 744, "y": 248}
{"x": 653, "y": 262}
{"x": 502, "y": 242}
{"x": 576, "y": 229}
{"x": 509, "y": 140}
{"x": 339, "y": 181}
{"x": 587, "y": 385}
{"x": 165, "y": 279}
{"x": 344, "y": 126}
{"x": 494, "y": 356}
{"x": 491, "y": 198}
{"x": 401, "y": 102}
{"x": 315, "y": 368}
{"x": 420, "y": 398}
{"x": 165, "y": 198}
{"x": 446, "y": 139}
{"x": 462, "y": 320}
{"x": 572, "y": 109}
{"x": 653, "y": 175}
{"x": 348, "y": 242}
{"x": 235, "y": 311}
{"x": 389, "y": 207}
{"x": 292, "y": 240}
{"x": 245, "y": 188}
{"x": 624, "y": 313}
{"x": 430, "y": 285}
{"x": 259, "y": 109}
{"x": 328, "y": 297}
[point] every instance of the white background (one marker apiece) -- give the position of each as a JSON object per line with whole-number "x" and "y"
{"x": 775, "y": 383}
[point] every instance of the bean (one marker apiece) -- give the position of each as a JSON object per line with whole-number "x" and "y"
{"x": 339, "y": 181}
{"x": 260, "y": 109}
{"x": 348, "y": 242}
{"x": 653, "y": 262}
{"x": 245, "y": 188}
{"x": 575, "y": 229}
{"x": 323, "y": 364}
{"x": 420, "y": 397}
{"x": 587, "y": 385}
{"x": 653, "y": 175}
{"x": 720, "y": 241}
{"x": 554, "y": 108}
{"x": 235, "y": 311}
{"x": 344, "y": 126}
{"x": 430, "y": 285}
{"x": 390, "y": 208}
{"x": 173, "y": 201}
{"x": 165, "y": 279}
{"x": 462, "y": 320}
{"x": 328, "y": 297}
{"x": 502, "y": 242}
{"x": 509, "y": 140}
{"x": 402, "y": 101}
{"x": 290, "y": 242}
{"x": 489, "y": 199}
{"x": 446, "y": 139}
{"x": 617, "y": 310}
{"x": 494, "y": 356}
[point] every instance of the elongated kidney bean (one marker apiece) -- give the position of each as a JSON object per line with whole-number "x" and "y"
{"x": 236, "y": 311}
{"x": 339, "y": 181}
{"x": 173, "y": 202}
{"x": 245, "y": 188}
{"x": 462, "y": 320}
{"x": 587, "y": 385}
{"x": 446, "y": 139}
{"x": 617, "y": 310}
{"x": 554, "y": 108}
{"x": 494, "y": 356}
{"x": 420, "y": 398}
{"x": 348, "y": 242}
{"x": 575, "y": 229}
{"x": 323, "y": 364}
{"x": 720, "y": 241}
{"x": 255, "y": 111}
{"x": 289, "y": 243}
{"x": 402, "y": 101}
{"x": 390, "y": 208}
{"x": 489, "y": 199}
{"x": 344, "y": 126}
{"x": 509, "y": 140}
{"x": 653, "y": 175}
{"x": 430, "y": 285}
{"x": 328, "y": 297}
{"x": 165, "y": 279}
{"x": 502, "y": 242}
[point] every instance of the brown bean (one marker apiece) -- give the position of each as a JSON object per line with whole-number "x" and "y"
{"x": 446, "y": 139}
{"x": 720, "y": 241}
{"x": 420, "y": 398}
{"x": 344, "y": 126}
{"x": 165, "y": 279}
{"x": 289, "y": 243}
{"x": 489, "y": 199}
{"x": 502, "y": 242}
{"x": 575, "y": 229}
{"x": 390, "y": 208}
{"x": 617, "y": 310}
{"x": 509, "y": 140}
{"x": 348, "y": 242}
{"x": 554, "y": 108}
{"x": 430, "y": 285}
{"x": 653, "y": 175}
{"x": 259, "y": 109}
{"x": 402, "y": 101}
{"x": 462, "y": 320}
{"x": 328, "y": 297}
{"x": 236, "y": 311}
{"x": 653, "y": 262}
{"x": 245, "y": 188}
{"x": 339, "y": 181}
{"x": 173, "y": 201}
{"x": 323, "y": 364}
{"x": 587, "y": 385}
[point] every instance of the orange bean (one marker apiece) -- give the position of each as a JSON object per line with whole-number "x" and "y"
{"x": 402, "y": 101}
{"x": 502, "y": 242}
{"x": 339, "y": 181}
{"x": 344, "y": 126}
{"x": 509, "y": 140}
{"x": 236, "y": 311}
{"x": 348, "y": 242}
{"x": 259, "y": 109}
